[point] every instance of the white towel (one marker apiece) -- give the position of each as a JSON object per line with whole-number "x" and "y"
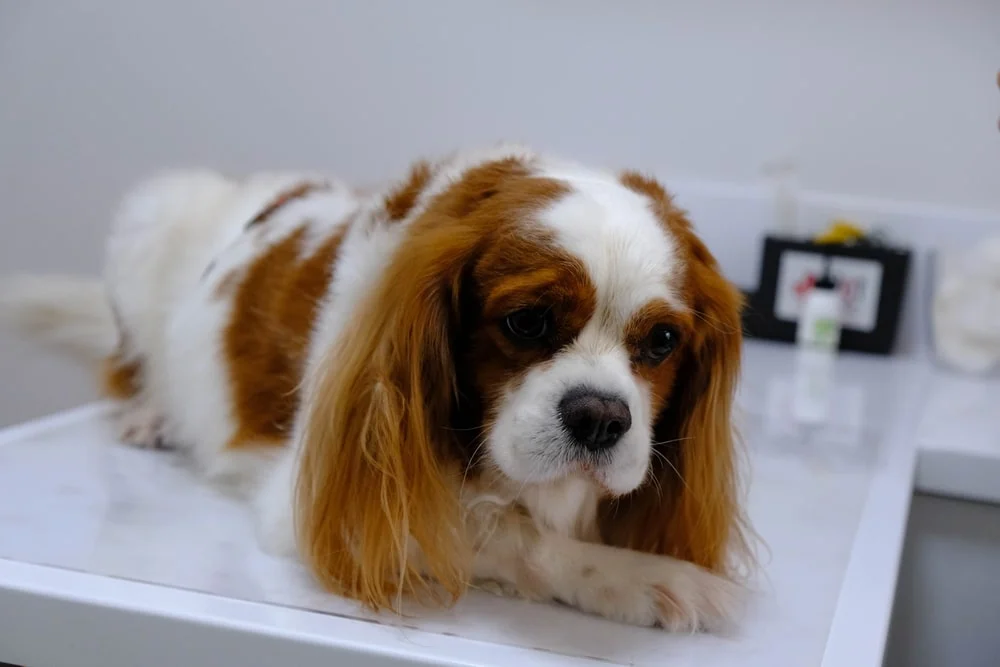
{"x": 966, "y": 315}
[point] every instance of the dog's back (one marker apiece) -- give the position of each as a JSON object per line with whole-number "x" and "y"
{"x": 153, "y": 328}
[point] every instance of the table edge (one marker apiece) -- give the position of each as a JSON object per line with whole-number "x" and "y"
{"x": 49, "y": 598}
{"x": 860, "y": 628}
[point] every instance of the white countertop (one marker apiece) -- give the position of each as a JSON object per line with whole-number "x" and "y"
{"x": 112, "y": 556}
{"x": 958, "y": 437}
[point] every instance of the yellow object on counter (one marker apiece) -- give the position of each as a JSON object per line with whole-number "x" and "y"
{"x": 840, "y": 231}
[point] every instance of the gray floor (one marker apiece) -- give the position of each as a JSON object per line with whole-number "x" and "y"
{"x": 947, "y": 610}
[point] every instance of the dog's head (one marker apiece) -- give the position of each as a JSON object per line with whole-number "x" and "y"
{"x": 544, "y": 321}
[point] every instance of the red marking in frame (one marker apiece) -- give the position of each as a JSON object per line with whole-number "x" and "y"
{"x": 804, "y": 284}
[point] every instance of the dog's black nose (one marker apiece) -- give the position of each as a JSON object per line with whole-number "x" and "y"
{"x": 595, "y": 421}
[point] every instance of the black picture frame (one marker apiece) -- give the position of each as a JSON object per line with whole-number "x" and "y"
{"x": 760, "y": 321}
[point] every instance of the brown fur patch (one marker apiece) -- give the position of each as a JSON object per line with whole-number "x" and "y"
{"x": 297, "y": 192}
{"x": 121, "y": 379}
{"x": 400, "y": 200}
{"x": 121, "y": 374}
{"x": 475, "y": 193}
{"x": 267, "y": 338}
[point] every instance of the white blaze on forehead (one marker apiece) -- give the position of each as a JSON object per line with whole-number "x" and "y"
{"x": 630, "y": 257}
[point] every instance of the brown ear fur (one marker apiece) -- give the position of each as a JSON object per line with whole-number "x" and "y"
{"x": 691, "y": 510}
{"x": 374, "y": 482}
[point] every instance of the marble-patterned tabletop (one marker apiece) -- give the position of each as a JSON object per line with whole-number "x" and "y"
{"x": 72, "y": 499}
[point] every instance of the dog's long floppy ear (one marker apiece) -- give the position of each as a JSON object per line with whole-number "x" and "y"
{"x": 377, "y": 507}
{"x": 692, "y": 509}
{"x": 376, "y": 510}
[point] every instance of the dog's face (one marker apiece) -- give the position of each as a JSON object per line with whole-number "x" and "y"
{"x": 581, "y": 324}
{"x": 540, "y": 321}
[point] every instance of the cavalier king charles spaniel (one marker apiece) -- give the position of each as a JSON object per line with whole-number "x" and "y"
{"x": 503, "y": 369}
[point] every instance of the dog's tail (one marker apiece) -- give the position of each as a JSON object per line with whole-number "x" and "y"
{"x": 68, "y": 314}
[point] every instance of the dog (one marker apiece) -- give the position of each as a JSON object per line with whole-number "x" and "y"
{"x": 504, "y": 369}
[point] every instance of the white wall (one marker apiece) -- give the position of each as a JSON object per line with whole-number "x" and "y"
{"x": 880, "y": 98}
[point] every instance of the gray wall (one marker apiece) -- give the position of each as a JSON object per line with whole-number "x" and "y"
{"x": 893, "y": 99}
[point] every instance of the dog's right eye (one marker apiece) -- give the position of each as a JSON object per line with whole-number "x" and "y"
{"x": 528, "y": 324}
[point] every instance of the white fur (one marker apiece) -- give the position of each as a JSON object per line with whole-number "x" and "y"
{"x": 529, "y": 443}
{"x": 63, "y": 311}
{"x": 178, "y": 235}
{"x": 630, "y": 259}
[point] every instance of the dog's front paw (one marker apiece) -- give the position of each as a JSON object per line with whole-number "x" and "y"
{"x": 141, "y": 426}
{"x": 675, "y": 595}
{"x": 694, "y": 599}
{"x": 499, "y": 588}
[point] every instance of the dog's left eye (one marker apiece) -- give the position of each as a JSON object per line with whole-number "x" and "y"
{"x": 528, "y": 324}
{"x": 662, "y": 340}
